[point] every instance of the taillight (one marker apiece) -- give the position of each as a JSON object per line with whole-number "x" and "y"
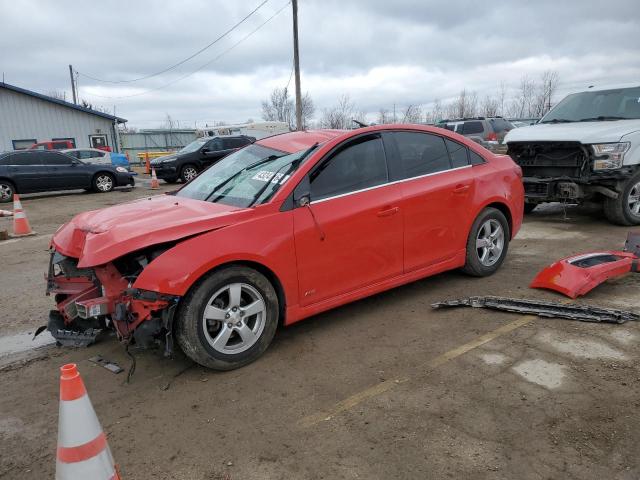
{"x": 492, "y": 137}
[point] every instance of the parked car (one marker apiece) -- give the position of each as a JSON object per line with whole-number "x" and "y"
{"x": 487, "y": 131}
{"x": 187, "y": 163}
{"x": 90, "y": 155}
{"x": 587, "y": 148}
{"x": 52, "y": 145}
{"x": 283, "y": 229}
{"x": 30, "y": 171}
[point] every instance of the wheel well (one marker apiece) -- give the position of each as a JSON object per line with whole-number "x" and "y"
{"x": 271, "y": 276}
{"x": 103, "y": 171}
{"x": 10, "y": 182}
{"x": 505, "y": 211}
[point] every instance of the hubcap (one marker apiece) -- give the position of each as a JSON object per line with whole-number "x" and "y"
{"x": 234, "y": 318}
{"x": 5, "y": 191}
{"x": 104, "y": 183}
{"x": 189, "y": 174}
{"x": 634, "y": 200}
{"x": 490, "y": 242}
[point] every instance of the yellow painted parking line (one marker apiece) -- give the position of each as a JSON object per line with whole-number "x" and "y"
{"x": 387, "y": 385}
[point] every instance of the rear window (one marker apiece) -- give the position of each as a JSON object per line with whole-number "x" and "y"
{"x": 421, "y": 153}
{"x": 472, "y": 127}
{"x": 458, "y": 154}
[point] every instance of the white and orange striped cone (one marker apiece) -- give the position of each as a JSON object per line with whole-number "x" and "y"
{"x": 21, "y": 227}
{"x": 83, "y": 451}
{"x": 154, "y": 180}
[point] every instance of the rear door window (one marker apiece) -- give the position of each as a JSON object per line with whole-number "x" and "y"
{"x": 22, "y": 159}
{"x": 358, "y": 165}
{"x": 54, "y": 158}
{"x": 421, "y": 153}
{"x": 458, "y": 153}
{"x": 470, "y": 128}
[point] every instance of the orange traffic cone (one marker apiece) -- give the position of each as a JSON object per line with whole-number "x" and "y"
{"x": 21, "y": 227}
{"x": 83, "y": 451}
{"x": 154, "y": 180}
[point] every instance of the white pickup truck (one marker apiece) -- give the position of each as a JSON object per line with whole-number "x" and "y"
{"x": 586, "y": 148}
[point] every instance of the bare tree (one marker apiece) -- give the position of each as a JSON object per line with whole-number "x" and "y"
{"x": 523, "y": 103}
{"x": 279, "y": 107}
{"x": 412, "y": 114}
{"x": 59, "y": 94}
{"x": 545, "y": 92}
{"x": 464, "y": 106}
{"x": 502, "y": 96}
{"x": 384, "y": 117}
{"x": 339, "y": 116}
{"x": 489, "y": 106}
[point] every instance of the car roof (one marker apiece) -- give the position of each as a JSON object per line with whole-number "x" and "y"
{"x": 296, "y": 141}
{"x": 82, "y": 148}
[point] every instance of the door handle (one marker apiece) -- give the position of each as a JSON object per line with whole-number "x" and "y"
{"x": 388, "y": 212}
{"x": 460, "y": 188}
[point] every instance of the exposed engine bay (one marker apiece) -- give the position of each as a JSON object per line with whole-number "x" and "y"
{"x": 92, "y": 300}
{"x": 562, "y": 171}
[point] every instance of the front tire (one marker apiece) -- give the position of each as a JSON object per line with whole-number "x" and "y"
{"x": 188, "y": 173}
{"x": 228, "y": 319}
{"x": 487, "y": 244}
{"x": 103, "y": 182}
{"x": 625, "y": 210}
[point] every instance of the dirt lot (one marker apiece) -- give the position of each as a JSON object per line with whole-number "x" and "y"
{"x": 381, "y": 389}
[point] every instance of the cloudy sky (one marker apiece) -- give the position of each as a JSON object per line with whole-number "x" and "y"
{"x": 379, "y": 52}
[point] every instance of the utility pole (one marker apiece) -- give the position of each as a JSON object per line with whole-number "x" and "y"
{"x": 73, "y": 85}
{"x": 296, "y": 63}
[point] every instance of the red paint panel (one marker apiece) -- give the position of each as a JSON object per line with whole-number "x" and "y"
{"x": 570, "y": 279}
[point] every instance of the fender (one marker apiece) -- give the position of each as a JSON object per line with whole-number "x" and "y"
{"x": 177, "y": 269}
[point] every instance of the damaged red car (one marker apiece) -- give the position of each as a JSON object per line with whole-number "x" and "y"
{"x": 283, "y": 229}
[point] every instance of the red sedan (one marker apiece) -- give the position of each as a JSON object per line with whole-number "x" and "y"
{"x": 283, "y": 229}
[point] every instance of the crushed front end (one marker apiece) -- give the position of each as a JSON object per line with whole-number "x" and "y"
{"x": 563, "y": 171}
{"x": 92, "y": 300}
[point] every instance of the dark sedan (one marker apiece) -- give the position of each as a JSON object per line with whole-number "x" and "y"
{"x": 31, "y": 171}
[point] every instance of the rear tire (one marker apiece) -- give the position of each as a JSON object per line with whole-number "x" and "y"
{"x": 103, "y": 182}
{"x": 228, "y": 319}
{"x": 6, "y": 191}
{"x": 487, "y": 244}
{"x": 625, "y": 210}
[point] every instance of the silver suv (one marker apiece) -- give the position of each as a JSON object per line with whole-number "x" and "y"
{"x": 487, "y": 131}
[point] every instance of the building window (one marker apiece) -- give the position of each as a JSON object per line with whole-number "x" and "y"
{"x": 23, "y": 144}
{"x": 64, "y": 139}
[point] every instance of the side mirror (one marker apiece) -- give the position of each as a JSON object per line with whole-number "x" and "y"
{"x": 302, "y": 193}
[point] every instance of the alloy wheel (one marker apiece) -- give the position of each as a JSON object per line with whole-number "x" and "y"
{"x": 234, "y": 318}
{"x": 5, "y": 192}
{"x": 633, "y": 200}
{"x": 104, "y": 183}
{"x": 189, "y": 173}
{"x": 490, "y": 242}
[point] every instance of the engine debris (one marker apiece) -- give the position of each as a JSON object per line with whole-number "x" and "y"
{"x": 583, "y": 313}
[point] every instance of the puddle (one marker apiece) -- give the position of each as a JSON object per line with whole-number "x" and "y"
{"x": 21, "y": 342}
{"x": 493, "y": 358}
{"x": 581, "y": 348}
{"x": 545, "y": 374}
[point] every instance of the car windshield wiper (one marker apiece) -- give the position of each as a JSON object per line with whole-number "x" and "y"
{"x": 602, "y": 118}
{"x": 295, "y": 162}
{"x": 270, "y": 158}
{"x": 558, "y": 120}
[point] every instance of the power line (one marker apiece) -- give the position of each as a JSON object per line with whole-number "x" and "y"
{"x": 201, "y": 66}
{"x": 182, "y": 61}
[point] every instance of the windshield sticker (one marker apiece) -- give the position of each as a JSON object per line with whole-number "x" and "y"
{"x": 267, "y": 176}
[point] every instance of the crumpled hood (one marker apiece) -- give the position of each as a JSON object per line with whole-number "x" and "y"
{"x": 584, "y": 132}
{"x": 100, "y": 236}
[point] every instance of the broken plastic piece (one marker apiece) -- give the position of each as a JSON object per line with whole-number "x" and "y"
{"x": 583, "y": 313}
{"x": 576, "y": 275}
{"x": 103, "y": 362}
{"x": 67, "y": 337}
